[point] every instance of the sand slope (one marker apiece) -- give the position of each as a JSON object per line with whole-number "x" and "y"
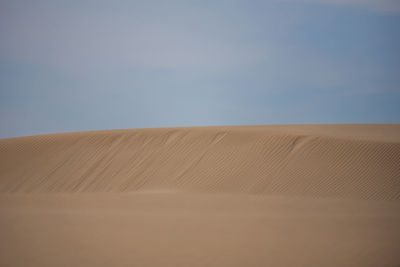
{"x": 355, "y": 161}
{"x": 164, "y": 229}
{"x": 297, "y": 195}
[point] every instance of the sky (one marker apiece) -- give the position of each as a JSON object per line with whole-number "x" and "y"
{"x": 90, "y": 65}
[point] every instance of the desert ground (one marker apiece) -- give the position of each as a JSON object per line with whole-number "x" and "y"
{"x": 284, "y": 195}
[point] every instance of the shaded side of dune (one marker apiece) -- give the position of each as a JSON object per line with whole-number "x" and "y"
{"x": 256, "y": 160}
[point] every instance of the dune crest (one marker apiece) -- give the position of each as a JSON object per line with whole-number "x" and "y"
{"x": 351, "y": 161}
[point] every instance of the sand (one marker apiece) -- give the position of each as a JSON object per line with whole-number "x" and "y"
{"x": 293, "y": 195}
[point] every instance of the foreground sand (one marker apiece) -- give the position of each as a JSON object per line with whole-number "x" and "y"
{"x": 301, "y": 195}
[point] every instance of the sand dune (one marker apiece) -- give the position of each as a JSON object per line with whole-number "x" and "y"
{"x": 297, "y": 195}
{"x": 360, "y": 162}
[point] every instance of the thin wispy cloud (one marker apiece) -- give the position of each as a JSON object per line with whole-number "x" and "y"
{"x": 51, "y": 35}
{"x": 390, "y": 6}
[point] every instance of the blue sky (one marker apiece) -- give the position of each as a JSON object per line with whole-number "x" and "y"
{"x": 87, "y": 65}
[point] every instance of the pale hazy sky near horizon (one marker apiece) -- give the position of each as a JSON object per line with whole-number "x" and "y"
{"x": 89, "y": 65}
